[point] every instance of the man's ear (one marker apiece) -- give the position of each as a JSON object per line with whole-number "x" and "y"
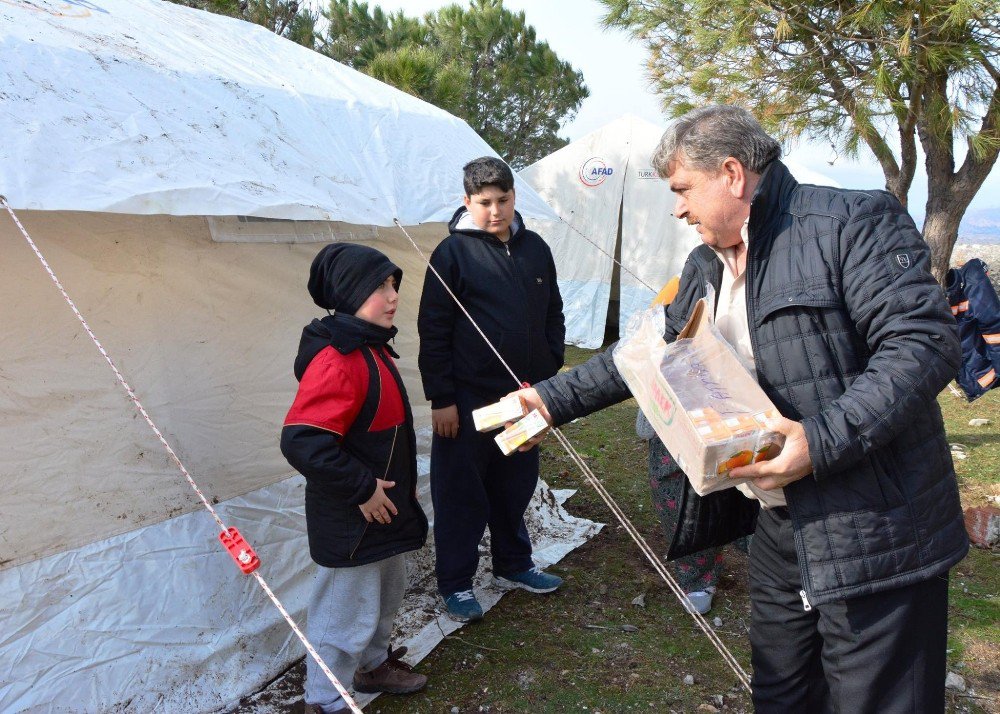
{"x": 736, "y": 177}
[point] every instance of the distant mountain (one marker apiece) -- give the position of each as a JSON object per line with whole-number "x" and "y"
{"x": 981, "y": 225}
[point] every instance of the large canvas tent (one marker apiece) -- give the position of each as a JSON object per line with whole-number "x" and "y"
{"x": 147, "y": 143}
{"x": 613, "y": 206}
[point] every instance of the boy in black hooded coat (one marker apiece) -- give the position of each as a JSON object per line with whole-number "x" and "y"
{"x": 504, "y": 275}
{"x": 350, "y": 433}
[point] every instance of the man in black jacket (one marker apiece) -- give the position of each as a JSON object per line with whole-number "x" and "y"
{"x": 827, "y": 292}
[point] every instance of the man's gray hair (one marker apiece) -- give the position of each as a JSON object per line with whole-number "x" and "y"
{"x": 706, "y": 137}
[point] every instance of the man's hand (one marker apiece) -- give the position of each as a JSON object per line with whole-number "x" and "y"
{"x": 444, "y": 421}
{"x": 378, "y": 507}
{"x": 533, "y": 401}
{"x": 790, "y": 465}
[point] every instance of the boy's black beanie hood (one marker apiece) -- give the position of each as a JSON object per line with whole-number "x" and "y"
{"x": 343, "y": 275}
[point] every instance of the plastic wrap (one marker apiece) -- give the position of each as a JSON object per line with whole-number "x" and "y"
{"x": 699, "y": 398}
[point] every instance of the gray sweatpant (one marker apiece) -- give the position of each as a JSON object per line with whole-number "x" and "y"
{"x": 349, "y": 621}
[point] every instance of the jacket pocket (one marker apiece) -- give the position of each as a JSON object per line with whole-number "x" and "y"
{"x": 884, "y": 472}
{"x": 824, "y": 298}
{"x": 356, "y": 535}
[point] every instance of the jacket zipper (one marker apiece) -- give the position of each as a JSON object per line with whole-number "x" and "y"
{"x": 392, "y": 450}
{"x": 751, "y": 323}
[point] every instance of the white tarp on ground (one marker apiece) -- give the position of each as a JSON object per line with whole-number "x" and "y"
{"x": 144, "y": 106}
{"x": 602, "y": 186}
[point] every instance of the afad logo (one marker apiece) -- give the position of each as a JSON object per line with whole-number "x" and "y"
{"x": 594, "y": 171}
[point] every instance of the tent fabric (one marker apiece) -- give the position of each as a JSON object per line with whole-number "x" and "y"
{"x": 206, "y": 333}
{"x": 612, "y": 203}
{"x": 145, "y": 139}
{"x": 148, "y": 107}
{"x": 114, "y": 590}
{"x": 606, "y": 193}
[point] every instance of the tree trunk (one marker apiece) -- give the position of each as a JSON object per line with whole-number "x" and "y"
{"x": 941, "y": 232}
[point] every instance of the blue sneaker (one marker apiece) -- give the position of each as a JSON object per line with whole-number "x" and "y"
{"x": 463, "y": 606}
{"x": 532, "y": 580}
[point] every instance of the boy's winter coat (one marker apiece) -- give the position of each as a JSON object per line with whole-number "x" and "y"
{"x": 511, "y": 292}
{"x": 350, "y": 423}
{"x": 976, "y": 308}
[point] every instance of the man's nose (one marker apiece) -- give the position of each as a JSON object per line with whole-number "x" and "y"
{"x": 680, "y": 208}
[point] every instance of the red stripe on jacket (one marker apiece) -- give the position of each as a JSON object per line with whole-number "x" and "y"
{"x": 333, "y": 390}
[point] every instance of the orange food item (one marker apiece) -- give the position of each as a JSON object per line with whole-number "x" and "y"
{"x": 741, "y": 458}
{"x": 767, "y": 452}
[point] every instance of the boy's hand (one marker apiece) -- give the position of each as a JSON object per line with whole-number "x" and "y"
{"x": 444, "y": 421}
{"x": 379, "y": 506}
{"x": 533, "y": 401}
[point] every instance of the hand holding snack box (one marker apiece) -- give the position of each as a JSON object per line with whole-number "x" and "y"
{"x": 492, "y": 416}
{"x": 521, "y": 431}
{"x": 699, "y": 398}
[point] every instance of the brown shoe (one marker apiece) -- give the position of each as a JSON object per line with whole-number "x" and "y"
{"x": 392, "y": 677}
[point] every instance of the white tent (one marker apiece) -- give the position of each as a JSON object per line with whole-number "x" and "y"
{"x": 612, "y": 203}
{"x": 142, "y": 140}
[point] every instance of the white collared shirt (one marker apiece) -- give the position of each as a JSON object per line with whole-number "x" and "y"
{"x": 731, "y": 319}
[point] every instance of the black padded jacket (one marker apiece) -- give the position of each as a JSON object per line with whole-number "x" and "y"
{"x": 852, "y": 337}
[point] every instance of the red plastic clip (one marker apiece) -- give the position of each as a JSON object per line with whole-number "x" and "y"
{"x": 526, "y": 385}
{"x": 241, "y": 551}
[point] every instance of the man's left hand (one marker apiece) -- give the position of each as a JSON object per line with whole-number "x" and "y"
{"x": 790, "y": 465}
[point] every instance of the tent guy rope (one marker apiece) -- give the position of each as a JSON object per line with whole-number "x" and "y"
{"x": 173, "y": 456}
{"x": 613, "y": 258}
{"x": 608, "y": 499}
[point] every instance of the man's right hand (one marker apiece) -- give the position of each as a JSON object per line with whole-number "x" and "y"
{"x": 533, "y": 401}
{"x": 444, "y": 421}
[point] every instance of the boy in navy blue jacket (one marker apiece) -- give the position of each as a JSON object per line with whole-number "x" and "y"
{"x": 504, "y": 275}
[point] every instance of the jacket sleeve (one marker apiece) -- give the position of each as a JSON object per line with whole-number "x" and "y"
{"x": 593, "y": 385}
{"x": 435, "y": 325}
{"x": 318, "y": 455}
{"x": 325, "y": 406}
{"x": 984, "y": 307}
{"x": 555, "y": 321}
{"x": 902, "y": 315}
{"x": 596, "y": 383}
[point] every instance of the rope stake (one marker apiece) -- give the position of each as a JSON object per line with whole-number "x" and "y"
{"x": 245, "y": 549}
{"x": 619, "y": 514}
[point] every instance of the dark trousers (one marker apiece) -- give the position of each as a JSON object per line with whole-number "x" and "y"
{"x": 875, "y": 653}
{"x": 473, "y": 485}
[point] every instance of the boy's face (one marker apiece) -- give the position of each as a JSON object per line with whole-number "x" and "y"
{"x": 380, "y": 307}
{"x": 492, "y": 210}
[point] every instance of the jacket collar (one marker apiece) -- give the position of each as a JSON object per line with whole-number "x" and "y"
{"x": 770, "y": 198}
{"x": 345, "y": 333}
{"x": 461, "y": 222}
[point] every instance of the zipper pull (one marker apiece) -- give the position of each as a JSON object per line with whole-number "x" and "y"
{"x": 805, "y": 601}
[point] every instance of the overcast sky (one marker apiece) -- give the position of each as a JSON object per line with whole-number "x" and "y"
{"x": 613, "y": 67}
